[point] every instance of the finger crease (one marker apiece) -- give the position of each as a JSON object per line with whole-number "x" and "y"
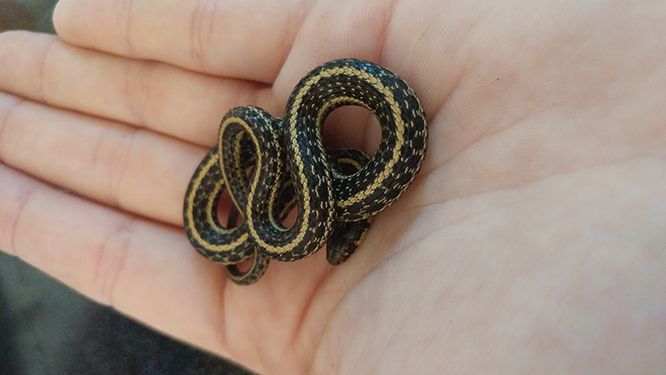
{"x": 220, "y": 332}
{"x": 98, "y": 162}
{"x": 201, "y": 25}
{"x": 383, "y": 34}
{"x": 307, "y": 309}
{"x": 137, "y": 90}
{"x": 111, "y": 260}
{"x": 13, "y": 108}
{"x": 43, "y": 66}
{"x": 125, "y": 19}
{"x": 121, "y": 166}
{"x": 21, "y": 204}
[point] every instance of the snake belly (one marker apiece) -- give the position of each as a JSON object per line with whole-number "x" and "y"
{"x": 271, "y": 166}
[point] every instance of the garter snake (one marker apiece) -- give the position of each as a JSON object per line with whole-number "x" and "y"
{"x": 270, "y": 166}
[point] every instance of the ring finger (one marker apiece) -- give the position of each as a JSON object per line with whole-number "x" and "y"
{"x": 119, "y": 165}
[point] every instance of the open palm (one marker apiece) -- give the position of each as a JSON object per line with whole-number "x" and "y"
{"x": 533, "y": 239}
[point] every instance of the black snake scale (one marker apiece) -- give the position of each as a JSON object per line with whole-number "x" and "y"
{"x": 336, "y": 194}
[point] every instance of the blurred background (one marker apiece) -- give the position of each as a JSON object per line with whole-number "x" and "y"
{"x": 26, "y": 14}
{"x": 46, "y": 328}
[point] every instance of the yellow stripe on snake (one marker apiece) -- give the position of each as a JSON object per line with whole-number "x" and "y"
{"x": 336, "y": 194}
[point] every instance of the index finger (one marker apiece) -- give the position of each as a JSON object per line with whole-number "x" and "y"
{"x": 231, "y": 38}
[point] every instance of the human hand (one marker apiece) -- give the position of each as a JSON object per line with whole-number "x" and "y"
{"x": 532, "y": 240}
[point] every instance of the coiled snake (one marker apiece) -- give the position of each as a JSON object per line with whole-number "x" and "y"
{"x": 336, "y": 194}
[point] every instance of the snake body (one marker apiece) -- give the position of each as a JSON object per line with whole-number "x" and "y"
{"x": 336, "y": 194}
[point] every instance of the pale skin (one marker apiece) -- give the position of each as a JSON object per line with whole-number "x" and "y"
{"x": 532, "y": 241}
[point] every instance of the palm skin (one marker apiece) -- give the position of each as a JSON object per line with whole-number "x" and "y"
{"x": 533, "y": 240}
